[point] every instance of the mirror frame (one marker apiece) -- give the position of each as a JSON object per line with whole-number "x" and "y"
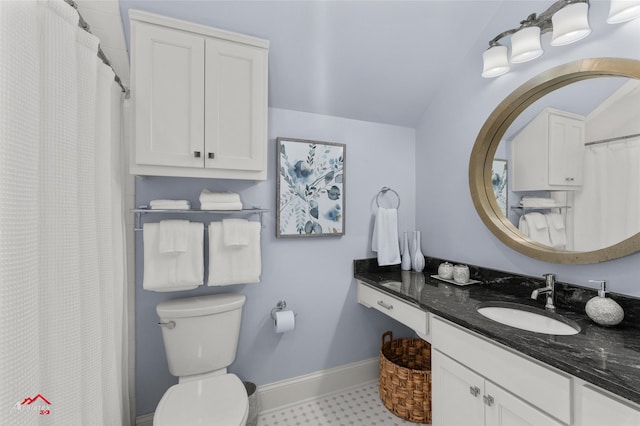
{"x": 491, "y": 135}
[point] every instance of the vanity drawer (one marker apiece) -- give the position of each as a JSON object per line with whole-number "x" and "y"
{"x": 540, "y": 386}
{"x": 396, "y": 308}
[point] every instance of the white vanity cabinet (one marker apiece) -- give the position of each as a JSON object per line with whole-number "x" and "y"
{"x": 200, "y": 100}
{"x": 477, "y": 382}
{"x": 548, "y": 153}
{"x": 398, "y": 309}
{"x": 463, "y": 397}
{"x": 598, "y": 408}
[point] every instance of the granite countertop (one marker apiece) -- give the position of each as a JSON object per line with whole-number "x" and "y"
{"x": 608, "y": 357}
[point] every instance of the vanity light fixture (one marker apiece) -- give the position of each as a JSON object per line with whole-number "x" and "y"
{"x": 569, "y": 21}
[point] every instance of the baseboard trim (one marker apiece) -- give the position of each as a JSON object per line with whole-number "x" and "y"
{"x": 297, "y": 389}
{"x": 278, "y": 395}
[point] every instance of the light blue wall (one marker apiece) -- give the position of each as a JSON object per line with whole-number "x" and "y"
{"x": 445, "y": 214}
{"x": 314, "y": 276}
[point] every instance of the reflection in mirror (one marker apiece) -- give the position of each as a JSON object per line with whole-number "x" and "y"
{"x": 578, "y": 148}
{"x": 560, "y": 172}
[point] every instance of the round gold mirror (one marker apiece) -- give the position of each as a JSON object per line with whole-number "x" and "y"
{"x": 492, "y": 134}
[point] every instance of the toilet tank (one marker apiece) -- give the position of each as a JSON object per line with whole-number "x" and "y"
{"x": 205, "y": 335}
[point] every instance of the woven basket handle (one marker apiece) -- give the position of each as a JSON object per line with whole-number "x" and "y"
{"x": 387, "y": 334}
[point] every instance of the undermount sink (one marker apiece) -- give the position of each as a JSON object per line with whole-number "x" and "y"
{"x": 528, "y": 318}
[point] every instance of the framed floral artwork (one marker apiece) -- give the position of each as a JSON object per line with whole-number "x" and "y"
{"x": 499, "y": 177}
{"x": 310, "y": 190}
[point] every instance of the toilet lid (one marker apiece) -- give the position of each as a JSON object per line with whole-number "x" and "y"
{"x": 218, "y": 400}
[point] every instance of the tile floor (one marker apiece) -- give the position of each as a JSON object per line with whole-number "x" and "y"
{"x": 359, "y": 406}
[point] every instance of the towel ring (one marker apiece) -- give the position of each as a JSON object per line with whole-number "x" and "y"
{"x": 383, "y": 192}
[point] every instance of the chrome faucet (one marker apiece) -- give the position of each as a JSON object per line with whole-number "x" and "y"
{"x": 549, "y": 290}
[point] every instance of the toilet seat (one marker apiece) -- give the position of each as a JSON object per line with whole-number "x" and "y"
{"x": 219, "y": 400}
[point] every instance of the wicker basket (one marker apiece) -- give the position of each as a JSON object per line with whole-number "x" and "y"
{"x": 405, "y": 378}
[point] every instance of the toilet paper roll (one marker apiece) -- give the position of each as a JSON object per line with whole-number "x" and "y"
{"x": 284, "y": 321}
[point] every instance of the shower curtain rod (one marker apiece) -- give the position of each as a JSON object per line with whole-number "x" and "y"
{"x": 83, "y": 24}
{"x": 612, "y": 139}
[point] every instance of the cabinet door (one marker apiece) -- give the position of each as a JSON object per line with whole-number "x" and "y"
{"x": 236, "y": 106}
{"x": 566, "y": 145}
{"x": 169, "y": 96}
{"x": 504, "y": 409}
{"x": 598, "y": 409}
{"x": 456, "y": 393}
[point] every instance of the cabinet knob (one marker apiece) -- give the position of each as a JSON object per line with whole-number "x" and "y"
{"x": 196, "y": 154}
{"x": 212, "y": 155}
{"x": 569, "y": 179}
{"x": 488, "y": 400}
{"x": 474, "y": 390}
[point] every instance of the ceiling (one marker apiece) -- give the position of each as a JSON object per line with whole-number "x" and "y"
{"x": 381, "y": 61}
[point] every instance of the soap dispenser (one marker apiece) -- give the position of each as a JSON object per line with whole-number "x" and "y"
{"x": 602, "y": 309}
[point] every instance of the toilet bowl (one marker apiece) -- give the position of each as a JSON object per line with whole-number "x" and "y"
{"x": 217, "y": 401}
{"x": 200, "y": 336}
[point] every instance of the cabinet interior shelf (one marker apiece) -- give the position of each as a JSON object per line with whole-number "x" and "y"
{"x": 244, "y": 212}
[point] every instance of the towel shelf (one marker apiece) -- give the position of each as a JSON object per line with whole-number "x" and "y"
{"x": 526, "y": 208}
{"x": 245, "y": 212}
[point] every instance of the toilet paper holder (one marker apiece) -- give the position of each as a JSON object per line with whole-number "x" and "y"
{"x": 280, "y": 306}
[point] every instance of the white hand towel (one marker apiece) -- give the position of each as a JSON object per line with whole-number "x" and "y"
{"x": 170, "y": 204}
{"x": 385, "y": 237}
{"x": 557, "y": 233}
{"x": 234, "y": 264}
{"x": 523, "y": 227}
{"x": 537, "y": 202}
{"x": 538, "y": 229}
{"x": 236, "y": 232}
{"x": 174, "y": 236}
{"x": 220, "y": 206}
{"x": 184, "y": 271}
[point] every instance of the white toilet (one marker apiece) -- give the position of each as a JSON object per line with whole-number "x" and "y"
{"x": 200, "y": 338}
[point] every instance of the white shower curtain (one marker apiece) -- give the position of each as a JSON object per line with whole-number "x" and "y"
{"x": 63, "y": 341}
{"x": 607, "y": 208}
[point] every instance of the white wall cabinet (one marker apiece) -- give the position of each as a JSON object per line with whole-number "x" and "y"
{"x": 548, "y": 153}
{"x": 200, "y": 100}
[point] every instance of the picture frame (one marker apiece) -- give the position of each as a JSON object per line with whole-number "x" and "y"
{"x": 310, "y": 188}
{"x": 499, "y": 181}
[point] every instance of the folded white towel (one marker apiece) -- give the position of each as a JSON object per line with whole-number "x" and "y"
{"x": 385, "y": 237}
{"x": 538, "y": 230}
{"x": 207, "y": 196}
{"x": 234, "y": 264}
{"x": 236, "y": 232}
{"x": 557, "y": 234}
{"x": 220, "y": 206}
{"x": 174, "y": 236}
{"x": 175, "y": 272}
{"x": 537, "y": 202}
{"x": 170, "y": 204}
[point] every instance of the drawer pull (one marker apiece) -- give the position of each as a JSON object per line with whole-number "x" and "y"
{"x": 474, "y": 390}
{"x": 196, "y": 154}
{"x": 385, "y": 305}
{"x": 488, "y": 400}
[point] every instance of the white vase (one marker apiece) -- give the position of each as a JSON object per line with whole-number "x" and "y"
{"x": 417, "y": 258}
{"x": 405, "y": 265}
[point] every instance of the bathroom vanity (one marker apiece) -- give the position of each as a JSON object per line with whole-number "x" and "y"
{"x": 486, "y": 373}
